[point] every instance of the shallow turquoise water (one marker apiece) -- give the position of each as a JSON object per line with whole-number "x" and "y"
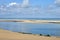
{"x": 45, "y": 28}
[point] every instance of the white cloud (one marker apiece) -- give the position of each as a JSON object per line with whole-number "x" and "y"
{"x": 25, "y": 3}
{"x": 18, "y": 9}
{"x": 54, "y": 8}
{"x": 57, "y": 2}
{"x": 50, "y": 12}
{"x": 11, "y": 4}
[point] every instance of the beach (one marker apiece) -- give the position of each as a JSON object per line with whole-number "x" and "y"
{"x": 8, "y": 35}
{"x": 32, "y": 21}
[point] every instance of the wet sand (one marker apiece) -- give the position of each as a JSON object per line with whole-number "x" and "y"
{"x": 8, "y": 35}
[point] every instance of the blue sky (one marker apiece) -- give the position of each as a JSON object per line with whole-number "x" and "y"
{"x": 36, "y": 9}
{"x": 34, "y": 2}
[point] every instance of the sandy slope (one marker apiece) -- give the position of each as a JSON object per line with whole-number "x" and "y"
{"x": 7, "y": 35}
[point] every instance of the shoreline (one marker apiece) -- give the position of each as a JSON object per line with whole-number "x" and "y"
{"x": 46, "y": 35}
{"x": 33, "y": 21}
{"x": 7, "y": 35}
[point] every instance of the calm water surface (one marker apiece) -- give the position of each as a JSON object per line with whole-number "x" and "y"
{"x": 45, "y": 28}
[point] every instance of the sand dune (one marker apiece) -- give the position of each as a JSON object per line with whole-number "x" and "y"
{"x": 7, "y": 35}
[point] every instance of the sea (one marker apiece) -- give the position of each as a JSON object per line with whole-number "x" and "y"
{"x": 34, "y": 28}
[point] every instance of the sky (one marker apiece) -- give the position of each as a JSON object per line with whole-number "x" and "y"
{"x": 32, "y": 2}
{"x": 29, "y": 8}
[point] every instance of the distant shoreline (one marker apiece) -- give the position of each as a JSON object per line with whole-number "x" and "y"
{"x": 32, "y": 21}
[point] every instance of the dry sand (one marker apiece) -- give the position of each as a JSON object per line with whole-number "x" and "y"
{"x": 7, "y": 35}
{"x": 31, "y": 21}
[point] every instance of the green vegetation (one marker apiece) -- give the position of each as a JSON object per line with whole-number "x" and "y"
{"x": 40, "y": 34}
{"x": 35, "y": 34}
{"x": 24, "y": 33}
{"x": 54, "y": 22}
{"x": 47, "y": 35}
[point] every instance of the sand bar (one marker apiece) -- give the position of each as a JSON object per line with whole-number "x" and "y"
{"x": 32, "y": 21}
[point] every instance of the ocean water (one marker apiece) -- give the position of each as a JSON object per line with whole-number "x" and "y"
{"x": 35, "y": 28}
{"x": 30, "y": 18}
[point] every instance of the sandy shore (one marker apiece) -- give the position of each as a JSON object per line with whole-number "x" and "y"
{"x": 32, "y": 21}
{"x": 7, "y": 35}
